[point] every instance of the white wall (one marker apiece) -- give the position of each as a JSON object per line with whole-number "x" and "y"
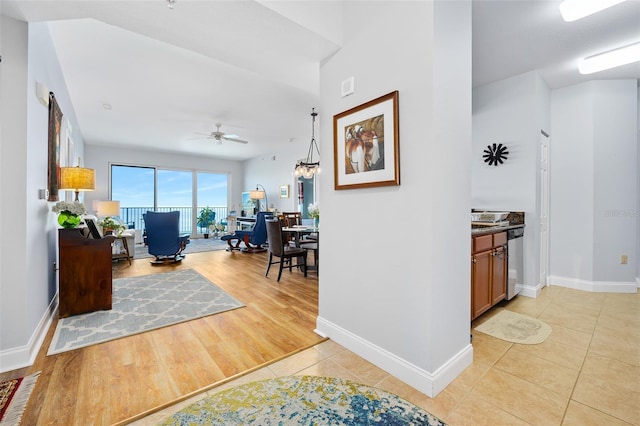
{"x": 275, "y": 169}
{"x": 594, "y": 195}
{"x": 392, "y": 290}
{"x": 512, "y": 112}
{"x": 13, "y": 176}
{"x": 27, "y": 274}
{"x": 100, "y": 158}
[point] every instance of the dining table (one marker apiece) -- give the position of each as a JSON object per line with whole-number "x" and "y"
{"x": 298, "y": 232}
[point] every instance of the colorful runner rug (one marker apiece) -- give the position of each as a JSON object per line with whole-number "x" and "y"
{"x": 303, "y": 400}
{"x": 14, "y": 395}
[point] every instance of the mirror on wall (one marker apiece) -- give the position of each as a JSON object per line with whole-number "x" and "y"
{"x": 306, "y": 193}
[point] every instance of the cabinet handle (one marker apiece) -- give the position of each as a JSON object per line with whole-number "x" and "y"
{"x": 473, "y": 260}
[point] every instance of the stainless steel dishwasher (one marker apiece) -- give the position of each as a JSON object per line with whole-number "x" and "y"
{"x": 515, "y": 274}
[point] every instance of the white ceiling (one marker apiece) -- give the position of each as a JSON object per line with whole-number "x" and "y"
{"x": 254, "y": 65}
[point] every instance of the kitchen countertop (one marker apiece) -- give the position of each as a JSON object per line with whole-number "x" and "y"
{"x": 494, "y": 229}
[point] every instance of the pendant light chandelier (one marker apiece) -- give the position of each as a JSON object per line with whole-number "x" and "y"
{"x": 307, "y": 167}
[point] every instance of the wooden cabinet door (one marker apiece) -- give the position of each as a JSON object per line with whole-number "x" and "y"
{"x": 481, "y": 285}
{"x": 85, "y": 275}
{"x": 498, "y": 275}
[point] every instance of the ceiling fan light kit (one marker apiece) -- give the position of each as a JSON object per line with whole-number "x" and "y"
{"x": 307, "y": 167}
{"x": 217, "y": 136}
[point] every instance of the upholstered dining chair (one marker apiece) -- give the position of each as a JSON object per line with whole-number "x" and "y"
{"x": 279, "y": 249}
{"x": 163, "y": 236}
{"x": 253, "y": 239}
{"x": 291, "y": 218}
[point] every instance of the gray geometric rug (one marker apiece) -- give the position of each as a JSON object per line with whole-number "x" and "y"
{"x": 141, "y": 304}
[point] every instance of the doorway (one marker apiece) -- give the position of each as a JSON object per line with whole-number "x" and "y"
{"x": 544, "y": 208}
{"x": 306, "y": 192}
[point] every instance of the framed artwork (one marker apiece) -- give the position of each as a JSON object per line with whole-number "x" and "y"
{"x": 366, "y": 145}
{"x": 67, "y": 154}
{"x": 284, "y": 191}
{"x": 248, "y": 205}
{"x": 53, "y": 171}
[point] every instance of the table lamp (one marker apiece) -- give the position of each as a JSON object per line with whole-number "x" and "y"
{"x": 77, "y": 179}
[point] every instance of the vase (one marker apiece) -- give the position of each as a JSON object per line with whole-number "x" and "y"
{"x": 316, "y": 222}
{"x": 68, "y": 220}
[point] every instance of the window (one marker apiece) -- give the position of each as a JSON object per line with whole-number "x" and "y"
{"x": 140, "y": 188}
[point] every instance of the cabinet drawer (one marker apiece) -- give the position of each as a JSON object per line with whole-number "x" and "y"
{"x": 483, "y": 242}
{"x": 499, "y": 239}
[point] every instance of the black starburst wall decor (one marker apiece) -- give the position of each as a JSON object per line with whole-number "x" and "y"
{"x": 495, "y": 154}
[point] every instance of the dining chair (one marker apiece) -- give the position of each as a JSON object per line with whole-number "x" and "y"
{"x": 291, "y": 218}
{"x": 312, "y": 245}
{"x": 279, "y": 249}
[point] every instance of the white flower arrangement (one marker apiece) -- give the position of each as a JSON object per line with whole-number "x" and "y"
{"x": 74, "y": 208}
{"x": 216, "y": 227}
{"x": 314, "y": 210}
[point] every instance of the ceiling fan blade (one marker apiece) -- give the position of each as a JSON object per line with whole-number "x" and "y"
{"x": 226, "y": 138}
{"x": 203, "y": 134}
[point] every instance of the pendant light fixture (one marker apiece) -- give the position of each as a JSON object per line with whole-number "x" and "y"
{"x": 307, "y": 167}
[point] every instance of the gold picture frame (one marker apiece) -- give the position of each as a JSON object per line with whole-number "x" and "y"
{"x": 53, "y": 160}
{"x": 366, "y": 145}
{"x": 284, "y": 191}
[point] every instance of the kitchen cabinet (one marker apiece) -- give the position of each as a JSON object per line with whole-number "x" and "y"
{"x": 85, "y": 275}
{"x": 488, "y": 271}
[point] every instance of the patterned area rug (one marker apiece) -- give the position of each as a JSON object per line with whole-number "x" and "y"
{"x": 516, "y": 328}
{"x": 141, "y": 304}
{"x": 196, "y": 245}
{"x": 14, "y": 395}
{"x": 303, "y": 400}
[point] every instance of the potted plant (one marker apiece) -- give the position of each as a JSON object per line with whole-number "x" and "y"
{"x": 111, "y": 226}
{"x": 206, "y": 217}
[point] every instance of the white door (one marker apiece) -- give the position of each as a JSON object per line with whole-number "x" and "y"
{"x": 544, "y": 208}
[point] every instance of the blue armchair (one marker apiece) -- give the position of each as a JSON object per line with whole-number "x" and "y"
{"x": 252, "y": 239}
{"x": 163, "y": 236}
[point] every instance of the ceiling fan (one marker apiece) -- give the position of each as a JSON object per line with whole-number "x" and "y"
{"x": 219, "y": 136}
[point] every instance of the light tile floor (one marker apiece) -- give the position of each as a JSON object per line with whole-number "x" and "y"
{"x": 586, "y": 373}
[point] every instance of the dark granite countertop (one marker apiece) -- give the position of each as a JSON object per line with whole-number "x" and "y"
{"x": 494, "y": 229}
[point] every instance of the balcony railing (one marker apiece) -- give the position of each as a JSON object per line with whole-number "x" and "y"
{"x": 132, "y": 217}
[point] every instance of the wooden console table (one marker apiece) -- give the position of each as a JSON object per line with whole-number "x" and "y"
{"x": 84, "y": 273}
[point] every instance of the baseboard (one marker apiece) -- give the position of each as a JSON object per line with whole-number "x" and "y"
{"x": 594, "y": 286}
{"x": 531, "y": 291}
{"x": 426, "y": 382}
{"x": 24, "y": 356}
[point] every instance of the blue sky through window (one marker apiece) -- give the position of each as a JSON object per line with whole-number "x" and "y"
{"x": 133, "y": 187}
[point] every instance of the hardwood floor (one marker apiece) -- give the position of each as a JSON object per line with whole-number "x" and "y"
{"x": 115, "y": 381}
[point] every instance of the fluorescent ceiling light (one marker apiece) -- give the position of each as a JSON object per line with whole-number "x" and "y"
{"x": 572, "y": 10}
{"x": 611, "y": 59}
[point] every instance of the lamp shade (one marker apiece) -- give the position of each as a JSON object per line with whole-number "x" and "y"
{"x": 108, "y": 208}
{"x": 256, "y": 194}
{"x": 77, "y": 179}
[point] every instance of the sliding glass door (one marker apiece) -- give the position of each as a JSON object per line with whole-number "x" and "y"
{"x": 140, "y": 188}
{"x": 175, "y": 192}
{"x": 212, "y": 193}
{"x": 134, "y": 187}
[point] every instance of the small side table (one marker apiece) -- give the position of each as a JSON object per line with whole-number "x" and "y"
{"x": 125, "y": 246}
